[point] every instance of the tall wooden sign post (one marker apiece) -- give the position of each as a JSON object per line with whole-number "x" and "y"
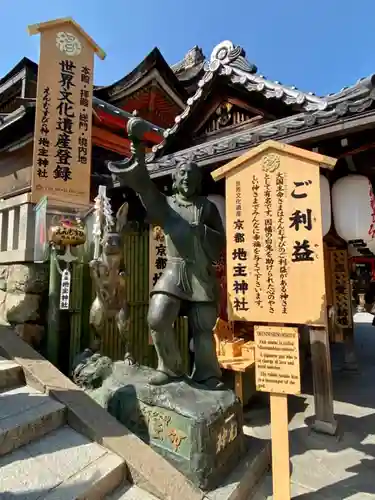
{"x": 275, "y": 269}
{"x": 62, "y": 136}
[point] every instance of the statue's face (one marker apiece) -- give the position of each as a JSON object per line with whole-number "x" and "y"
{"x": 187, "y": 179}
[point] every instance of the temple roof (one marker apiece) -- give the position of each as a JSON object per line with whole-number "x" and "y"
{"x": 13, "y": 89}
{"x": 153, "y": 66}
{"x": 190, "y": 68}
{"x": 319, "y": 112}
{"x": 229, "y": 62}
{"x": 23, "y": 63}
{"x": 188, "y": 83}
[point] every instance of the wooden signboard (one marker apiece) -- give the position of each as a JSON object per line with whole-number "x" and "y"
{"x": 157, "y": 258}
{"x": 275, "y": 261}
{"x": 62, "y": 136}
{"x": 157, "y": 255}
{"x": 342, "y": 295}
{"x": 277, "y": 371}
{"x": 277, "y": 368}
{"x": 275, "y": 270}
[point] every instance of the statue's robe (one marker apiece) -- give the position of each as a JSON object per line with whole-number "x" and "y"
{"x": 189, "y": 274}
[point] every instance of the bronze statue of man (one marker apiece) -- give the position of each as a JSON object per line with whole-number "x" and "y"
{"x": 194, "y": 236}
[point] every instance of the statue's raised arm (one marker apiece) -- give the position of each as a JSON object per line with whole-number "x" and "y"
{"x": 133, "y": 173}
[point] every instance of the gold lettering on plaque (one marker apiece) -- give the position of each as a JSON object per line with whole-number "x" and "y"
{"x": 227, "y": 434}
{"x": 156, "y": 423}
{"x": 176, "y": 437}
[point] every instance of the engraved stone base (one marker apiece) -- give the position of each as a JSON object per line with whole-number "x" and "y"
{"x": 198, "y": 431}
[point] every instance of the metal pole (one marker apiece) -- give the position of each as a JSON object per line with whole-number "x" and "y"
{"x": 113, "y": 110}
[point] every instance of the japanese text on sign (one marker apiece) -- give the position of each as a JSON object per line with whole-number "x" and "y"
{"x": 275, "y": 246}
{"x": 65, "y": 289}
{"x": 239, "y": 257}
{"x": 257, "y": 244}
{"x": 281, "y": 242}
{"x": 157, "y": 258}
{"x": 62, "y": 137}
{"x": 227, "y": 433}
{"x": 341, "y": 288}
{"x": 84, "y": 116}
{"x": 44, "y": 141}
{"x": 163, "y": 430}
{"x": 277, "y": 366}
{"x": 301, "y": 220}
{"x": 157, "y": 255}
{"x": 65, "y": 121}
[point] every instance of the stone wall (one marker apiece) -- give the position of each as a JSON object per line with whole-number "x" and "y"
{"x": 23, "y": 294}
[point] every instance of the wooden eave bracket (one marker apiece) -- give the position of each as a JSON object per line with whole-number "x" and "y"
{"x": 34, "y": 29}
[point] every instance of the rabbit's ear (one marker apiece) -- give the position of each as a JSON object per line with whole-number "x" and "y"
{"x": 122, "y": 217}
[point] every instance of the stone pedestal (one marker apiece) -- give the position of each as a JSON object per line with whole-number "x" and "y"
{"x": 23, "y": 288}
{"x": 198, "y": 431}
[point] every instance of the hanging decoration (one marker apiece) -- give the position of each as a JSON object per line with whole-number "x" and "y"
{"x": 67, "y": 232}
{"x": 103, "y": 218}
{"x": 353, "y": 207}
{"x": 65, "y": 289}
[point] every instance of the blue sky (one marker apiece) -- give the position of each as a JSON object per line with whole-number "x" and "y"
{"x": 318, "y": 46}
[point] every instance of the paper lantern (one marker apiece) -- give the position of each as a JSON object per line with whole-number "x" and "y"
{"x": 353, "y": 206}
{"x": 219, "y": 202}
{"x": 325, "y": 201}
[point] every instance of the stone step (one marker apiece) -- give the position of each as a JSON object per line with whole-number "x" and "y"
{"x": 26, "y": 415}
{"x": 64, "y": 465}
{"x": 11, "y": 374}
{"x": 131, "y": 492}
{"x": 94, "y": 482}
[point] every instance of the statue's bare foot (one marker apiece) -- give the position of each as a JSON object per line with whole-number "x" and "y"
{"x": 162, "y": 378}
{"x": 213, "y": 383}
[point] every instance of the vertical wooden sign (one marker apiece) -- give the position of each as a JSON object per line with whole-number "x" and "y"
{"x": 342, "y": 297}
{"x": 277, "y": 371}
{"x": 275, "y": 270}
{"x": 275, "y": 264}
{"x": 157, "y": 258}
{"x": 157, "y": 255}
{"x": 62, "y": 135}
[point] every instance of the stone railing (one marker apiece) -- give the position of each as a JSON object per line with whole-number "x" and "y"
{"x": 17, "y": 227}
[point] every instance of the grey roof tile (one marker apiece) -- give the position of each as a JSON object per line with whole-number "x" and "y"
{"x": 229, "y": 61}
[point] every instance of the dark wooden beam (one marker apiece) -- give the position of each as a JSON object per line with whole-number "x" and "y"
{"x": 345, "y": 127}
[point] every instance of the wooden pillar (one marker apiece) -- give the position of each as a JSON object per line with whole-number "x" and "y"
{"x": 322, "y": 379}
{"x": 350, "y": 355}
{"x": 321, "y": 357}
{"x": 343, "y": 311}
